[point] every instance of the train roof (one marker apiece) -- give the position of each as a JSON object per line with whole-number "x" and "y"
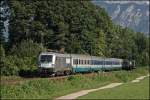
{"x": 77, "y": 56}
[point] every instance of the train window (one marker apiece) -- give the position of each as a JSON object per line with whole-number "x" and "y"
{"x": 79, "y": 61}
{"x": 96, "y": 62}
{"x": 116, "y": 63}
{"x": 82, "y": 62}
{"x": 92, "y": 61}
{"x": 85, "y": 62}
{"x": 46, "y": 58}
{"x": 108, "y": 62}
{"x": 88, "y": 62}
{"x": 75, "y": 61}
{"x": 100, "y": 62}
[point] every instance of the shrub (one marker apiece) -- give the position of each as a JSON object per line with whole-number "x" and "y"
{"x": 9, "y": 67}
{"x": 23, "y": 59}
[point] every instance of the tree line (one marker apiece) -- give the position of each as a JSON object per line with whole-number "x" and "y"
{"x": 66, "y": 26}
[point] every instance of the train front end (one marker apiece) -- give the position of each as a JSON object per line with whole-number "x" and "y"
{"x": 46, "y": 62}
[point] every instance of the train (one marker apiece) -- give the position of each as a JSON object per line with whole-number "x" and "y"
{"x": 58, "y": 63}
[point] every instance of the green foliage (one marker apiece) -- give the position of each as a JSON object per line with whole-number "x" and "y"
{"x": 9, "y": 67}
{"x": 2, "y": 52}
{"x": 27, "y": 48}
{"x": 2, "y": 55}
{"x": 23, "y": 57}
{"x": 142, "y": 46}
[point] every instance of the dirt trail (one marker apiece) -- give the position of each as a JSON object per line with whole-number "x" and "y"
{"x": 139, "y": 78}
{"x": 84, "y": 92}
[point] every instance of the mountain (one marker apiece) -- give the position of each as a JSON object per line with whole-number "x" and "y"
{"x": 132, "y": 14}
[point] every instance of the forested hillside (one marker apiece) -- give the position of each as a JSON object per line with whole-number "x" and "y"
{"x": 66, "y": 26}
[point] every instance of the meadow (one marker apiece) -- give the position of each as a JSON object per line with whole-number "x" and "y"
{"x": 136, "y": 91}
{"x": 44, "y": 88}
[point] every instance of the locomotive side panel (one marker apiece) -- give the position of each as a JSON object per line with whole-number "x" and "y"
{"x": 62, "y": 64}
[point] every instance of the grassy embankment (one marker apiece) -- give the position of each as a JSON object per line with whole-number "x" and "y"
{"x": 46, "y": 88}
{"x": 126, "y": 91}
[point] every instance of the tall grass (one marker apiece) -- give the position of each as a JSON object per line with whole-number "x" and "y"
{"x": 44, "y": 88}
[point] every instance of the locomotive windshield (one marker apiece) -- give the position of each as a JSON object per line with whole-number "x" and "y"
{"x": 46, "y": 58}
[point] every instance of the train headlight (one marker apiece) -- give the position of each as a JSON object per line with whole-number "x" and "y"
{"x": 52, "y": 64}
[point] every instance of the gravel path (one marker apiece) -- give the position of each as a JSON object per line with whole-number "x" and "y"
{"x": 139, "y": 78}
{"x": 84, "y": 92}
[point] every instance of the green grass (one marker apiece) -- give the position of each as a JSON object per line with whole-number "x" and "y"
{"x": 46, "y": 89}
{"x": 126, "y": 91}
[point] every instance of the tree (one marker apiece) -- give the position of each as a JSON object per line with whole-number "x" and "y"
{"x": 2, "y": 54}
{"x": 142, "y": 44}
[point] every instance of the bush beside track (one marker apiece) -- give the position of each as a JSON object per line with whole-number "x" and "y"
{"x": 46, "y": 88}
